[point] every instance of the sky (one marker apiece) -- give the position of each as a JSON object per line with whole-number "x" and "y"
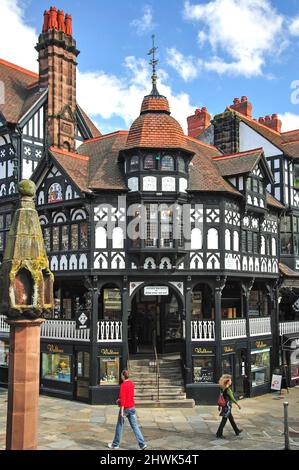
{"x": 209, "y": 51}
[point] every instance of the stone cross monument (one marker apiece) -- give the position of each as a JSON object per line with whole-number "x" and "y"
{"x": 26, "y": 294}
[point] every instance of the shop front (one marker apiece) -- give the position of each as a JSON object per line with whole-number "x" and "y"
{"x": 57, "y": 370}
{"x": 261, "y": 366}
{"x": 290, "y": 354}
{"x": 4, "y": 360}
{"x": 109, "y": 365}
{"x": 203, "y": 388}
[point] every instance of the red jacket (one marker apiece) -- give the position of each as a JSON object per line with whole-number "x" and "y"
{"x": 126, "y": 394}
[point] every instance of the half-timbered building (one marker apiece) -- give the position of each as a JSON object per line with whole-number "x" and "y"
{"x": 163, "y": 245}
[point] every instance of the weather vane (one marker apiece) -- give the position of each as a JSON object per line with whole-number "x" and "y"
{"x": 153, "y": 63}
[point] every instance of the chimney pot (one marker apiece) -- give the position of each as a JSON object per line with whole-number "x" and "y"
{"x": 53, "y": 23}
{"x": 261, "y": 120}
{"x": 46, "y": 21}
{"x": 236, "y": 101}
{"x": 274, "y": 116}
{"x": 199, "y": 122}
{"x": 61, "y": 24}
{"x": 267, "y": 118}
{"x": 244, "y": 98}
{"x": 68, "y": 25}
{"x": 204, "y": 110}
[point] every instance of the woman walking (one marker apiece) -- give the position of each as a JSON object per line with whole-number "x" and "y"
{"x": 127, "y": 409}
{"x": 225, "y": 404}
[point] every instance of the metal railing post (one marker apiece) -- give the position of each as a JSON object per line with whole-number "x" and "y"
{"x": 286, "y": 427}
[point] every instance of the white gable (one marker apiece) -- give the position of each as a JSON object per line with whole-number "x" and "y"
{"x": 250, "y": 139}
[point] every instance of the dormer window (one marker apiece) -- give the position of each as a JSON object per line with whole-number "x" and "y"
{"x": 150, "y": 162}
{"x": 167, "y": 163}
{"x": 181, "y": 165}
{"x": 134, "y": 163}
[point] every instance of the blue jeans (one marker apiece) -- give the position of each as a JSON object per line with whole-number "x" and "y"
{"x": 129, "y": 413}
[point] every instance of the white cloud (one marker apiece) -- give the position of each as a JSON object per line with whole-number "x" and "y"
{"x": 294, "y": 26}
{"x": 290, "y": 121}
{"x": 106, "y": 96}
{"x": 187, "y": 67}
{"x": 241, "y": 34}
{"x": 17, "y": 39}
{"x": 144, "y": 24}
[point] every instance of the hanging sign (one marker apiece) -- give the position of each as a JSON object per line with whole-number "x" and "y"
{"x": 82, "y": 320}
{"x": 276, "y": 382}
{"x": 156, "y": 290}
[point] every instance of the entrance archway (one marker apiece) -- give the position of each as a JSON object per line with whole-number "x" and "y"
{"x": 156, "y": 319}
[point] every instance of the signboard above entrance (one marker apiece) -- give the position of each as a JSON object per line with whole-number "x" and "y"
{"x": 156, "y": 290}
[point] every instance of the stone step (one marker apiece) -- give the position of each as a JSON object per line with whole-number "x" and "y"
{"x": 188, "y": 403}
{"x": 163, "y": 383}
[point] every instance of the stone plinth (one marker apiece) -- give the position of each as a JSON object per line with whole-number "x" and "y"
{"x": 23, "y": 384}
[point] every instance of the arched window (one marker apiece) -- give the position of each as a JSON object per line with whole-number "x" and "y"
{"x": 117, "y": 238}
{"x": 149, "y": 162}
{"x": 236, "y": 241}
{"x": 181, "y": 165}
{"x": 134, "y": 163}
{"x": 273, "y": 246}
{"x": 213, "y": 239}
{"x": 227, "y": 240}
{"x": 167, "y": 163}
{"x": 263, "y": 245}
{"x": 101, "y": 237}
{"x": 196, "y": 239}
{"x": 55, "y": 193}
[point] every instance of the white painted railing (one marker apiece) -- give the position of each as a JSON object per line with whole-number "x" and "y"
{"x": 260, "y": 326}
{"x": 4, "y": 327}
{"x": 288, "y": 327}
{"x": 203, "y": 330}
{"x": 63, "y": 329}
{"x": 233, "y": 329}
{"x": 109, "y": 331}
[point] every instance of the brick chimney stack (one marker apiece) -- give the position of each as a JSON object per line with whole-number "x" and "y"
{"x": 242, "y": 106}
{"x": 272, "y": 122}
{"x": 199, "y": 122}
{"x": 57, "y": 57}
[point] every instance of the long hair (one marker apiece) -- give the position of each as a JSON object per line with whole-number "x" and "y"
{"x": 224, "y": 379}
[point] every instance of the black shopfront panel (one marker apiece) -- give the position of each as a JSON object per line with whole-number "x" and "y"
{"x": 203, "y": 388}
{"x": 57, "y": 370}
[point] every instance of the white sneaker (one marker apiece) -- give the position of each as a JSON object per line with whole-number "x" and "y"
{"x": 144, "y": 447}
{"x": 111, "y": 446}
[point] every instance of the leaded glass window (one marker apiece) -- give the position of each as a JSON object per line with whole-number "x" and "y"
{"x": 167, "y": 163}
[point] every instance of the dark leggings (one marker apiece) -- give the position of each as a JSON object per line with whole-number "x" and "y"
{"x": 223, "y": 423}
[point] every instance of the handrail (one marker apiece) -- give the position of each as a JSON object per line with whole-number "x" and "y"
{"x": 157, "y": 365}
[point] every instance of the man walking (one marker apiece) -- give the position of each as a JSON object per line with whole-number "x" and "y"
{"x": 127, "y": 409}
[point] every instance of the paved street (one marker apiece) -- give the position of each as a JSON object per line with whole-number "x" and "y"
{"x": 74, "y": 426}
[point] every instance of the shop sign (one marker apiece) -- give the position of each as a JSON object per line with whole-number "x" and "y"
{"x": 203, "y": 351}
{"x": 228, "y": 349}
{"x": 276, "y": 382}
{"x": 82, "y": 320}
{"x": 156, "y": 290}
{"x": 260, "y": 344}
{"x": 109, "y": 352}
{"x": 54, "y": 348}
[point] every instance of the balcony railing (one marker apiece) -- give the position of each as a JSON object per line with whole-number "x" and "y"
{"x": 231, "y": 329}
{"x": 203, "y": 330}
{"x": 4, "y": 327}
{"x": 63, "y": 329}
{"x": 260, "y": 326}
{"x": 108, "y": 331}
{"x": 288, "y": 327}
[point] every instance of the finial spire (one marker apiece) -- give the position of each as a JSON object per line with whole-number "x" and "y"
{"x": 153, "y": 63}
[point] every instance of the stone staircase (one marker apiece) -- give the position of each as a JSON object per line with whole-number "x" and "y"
{"x": 172, "y": 390}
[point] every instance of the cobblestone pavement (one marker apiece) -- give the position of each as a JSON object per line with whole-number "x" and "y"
{"x": 75, "y": 426}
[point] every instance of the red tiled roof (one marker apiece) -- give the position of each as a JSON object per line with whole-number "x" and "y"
{"x": 239, "y": 163}
{"x": 286, "y": 271}
{"x": 204, "y": 175}
{"x": 76, "y": 166}
{"x": 21, "y": 91}
{"x": 155, "y": 128}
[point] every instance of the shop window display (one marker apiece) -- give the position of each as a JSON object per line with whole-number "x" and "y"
{"x": 260, "y": 367}
{"x": 227, "y": 365}
{"x": 4, "y": 354}
{"x": 203, "y": 369}
{"x": 109, "y": 371}
{"x": 294, "y": 362}
{"x": 56, "y": 367}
